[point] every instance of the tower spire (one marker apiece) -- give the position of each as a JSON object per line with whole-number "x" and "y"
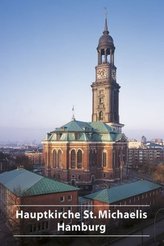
{"x": 73, "y": 113}
{"x": 105, "y": 99}
{"x": 106, "y": 22}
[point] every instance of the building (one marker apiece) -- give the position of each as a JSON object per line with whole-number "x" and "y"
{"x": 134, "y": 144}
{"x": 127, "y": 197}
{"x": 139, "y": 192}
{"x": 19, "y": 189}
{"x": 148, "y": 153}
{"x": 83, "y": 153}
{"x": 36, "y": 157}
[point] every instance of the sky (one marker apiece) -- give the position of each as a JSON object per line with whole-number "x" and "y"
{"x": 48, "y": 57}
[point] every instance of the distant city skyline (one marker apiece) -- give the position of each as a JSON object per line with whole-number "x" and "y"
{"x": 48, "y": 58}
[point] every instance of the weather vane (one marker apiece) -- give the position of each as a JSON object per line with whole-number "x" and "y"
{"x": 106, "y": 12}
{"x": 73, "y": 113}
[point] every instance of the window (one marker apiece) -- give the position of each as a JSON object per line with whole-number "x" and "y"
{"x": 104, "y": 159}
{"x": 54, "y": 159}
{"x": 92, "y": 157}
{"x": 39, "y": 226}
{"x": 73, "y": 159}
{"x": 46, "y": 157}
{"x": 62, "y": 199}
{"x": 69, "y": 197}
{"x": 59, "y": 158}
{"x": 31, "y": 228}
{"x": 46, "y": 224}
{"x": 101, "y": 100}
{"x": 101, "y": 115}
{"x": 34, "y": 227}
{"x": 92, "y": 179}
{"x": 79, "y": 159}
{"x": 43, "y": 225}
{"x": 77, "y": 135}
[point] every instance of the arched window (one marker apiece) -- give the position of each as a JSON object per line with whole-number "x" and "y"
{"x": 101, "y": 115}
{"x": 93, "y": 157}
{"x": 73, "y": 159}
{"x": 79, "y": 159}
{"x": 59, "y": 158}
{"x": 104, "y": 159}
{"x": 54, "y": 159}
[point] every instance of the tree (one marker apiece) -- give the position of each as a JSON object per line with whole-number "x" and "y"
{"x": 159, "y": 173}
{"x": 23, "y": 161}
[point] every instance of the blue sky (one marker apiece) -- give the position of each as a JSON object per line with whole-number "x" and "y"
{"x": 48, "y": 58}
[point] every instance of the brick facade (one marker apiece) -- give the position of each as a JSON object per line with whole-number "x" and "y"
{"x": 99, "y": 161}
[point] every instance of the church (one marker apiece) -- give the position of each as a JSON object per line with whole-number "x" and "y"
{"x": 87, "y": 153}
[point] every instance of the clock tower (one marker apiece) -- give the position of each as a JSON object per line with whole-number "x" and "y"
{"x": 105, "y": 89}
{"x": 91, "y": 153}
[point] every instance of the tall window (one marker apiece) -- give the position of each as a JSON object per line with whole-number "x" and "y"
{"x": 93, "y": 157}
{"x": 54, "y": 159}
{"x": 104, "y": 159}
{"x": 101, "y": 115}
{"x": 59, "y": 158}
{"x": 45, "y": 158}
{"x": 73, "y": 159}
{"x": 114, "y": 160}
{"x": 79, "y": 159}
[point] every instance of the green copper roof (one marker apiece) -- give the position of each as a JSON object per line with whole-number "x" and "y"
{"x": 75, "y": 126}
{"x": 121, "y": 192}
{"x": 24, "y": 183}
{"x": 101, "y": 127}
{"x": 19, "y": 180}
{"x": 82, "y": 131}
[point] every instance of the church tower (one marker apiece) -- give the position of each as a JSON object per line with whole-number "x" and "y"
{"x": 90, "y": 153}
{"x": 105, "y": 89}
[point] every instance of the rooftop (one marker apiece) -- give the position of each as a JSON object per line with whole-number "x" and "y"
{"x": 121, "y": 192}
{"x": 25, "y": 183}
{"x": 85, "y": 131}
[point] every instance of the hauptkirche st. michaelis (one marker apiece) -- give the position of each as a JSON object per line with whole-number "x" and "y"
{"x": 94, "y": 152}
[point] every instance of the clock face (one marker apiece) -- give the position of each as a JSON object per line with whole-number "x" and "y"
{"x": 102, "y": 73}
{"x": 114, "y": 74}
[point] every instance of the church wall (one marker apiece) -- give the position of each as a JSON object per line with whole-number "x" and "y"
{"x": 92, "y": 168}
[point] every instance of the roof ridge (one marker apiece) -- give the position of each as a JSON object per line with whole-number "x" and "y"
{"x": 47, "y": 186}
{"x": 34, "y": 184}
